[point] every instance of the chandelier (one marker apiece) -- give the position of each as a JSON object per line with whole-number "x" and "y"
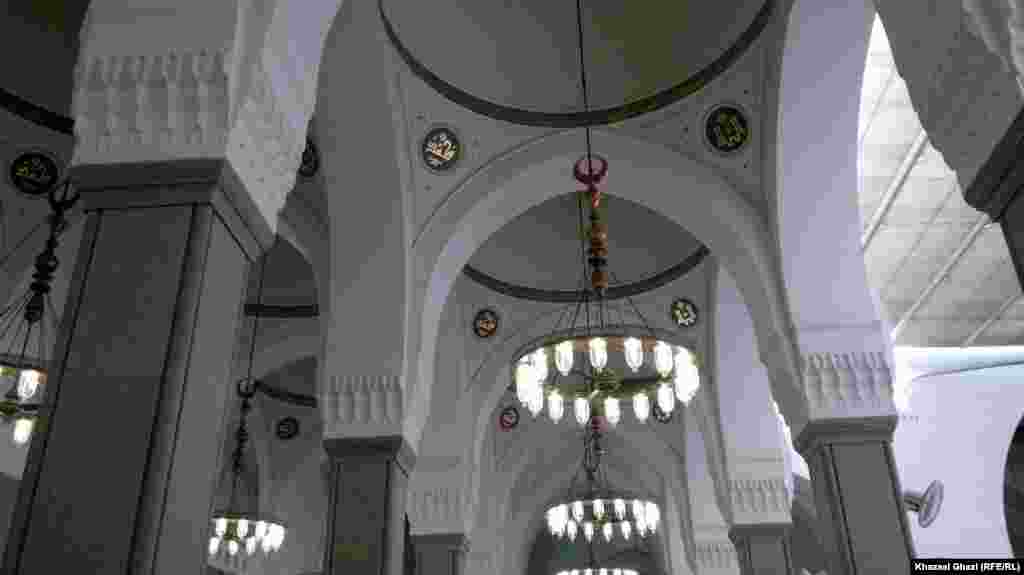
{"x": 594, "y": 508}
{"x": 23, "y": 328}
{"x": 590, "y": 328}
{"x": 240, "y": 526}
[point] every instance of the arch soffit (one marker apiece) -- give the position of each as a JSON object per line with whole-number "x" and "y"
{"x": 506, "y": 187}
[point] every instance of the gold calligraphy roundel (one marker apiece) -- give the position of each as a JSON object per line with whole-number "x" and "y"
{"x": 441, "y": 149}
{"x": 726, "y": 129}
{"x": 33, "y": 173}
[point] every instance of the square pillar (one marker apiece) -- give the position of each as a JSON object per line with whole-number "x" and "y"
{"x": 763, "y": 549}
{"x": 368, "y": 480}
{"x": 857, "y": 494}
{"x": 440, "y": 553}
{"x": 121, "y": 468}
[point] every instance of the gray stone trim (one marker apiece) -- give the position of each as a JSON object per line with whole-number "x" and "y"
{"x": 847, "y": 430}
{"x": 759, "y": 530}
{"x": 453, "y": 541}
{"x": 390, "y": 447}
{"x": 154, "y": 184}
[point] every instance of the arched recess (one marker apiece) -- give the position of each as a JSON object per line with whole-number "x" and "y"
{"x": 540, "y": 466}
{"x": 813, "y": 177}
{"x": 688, "y": 193}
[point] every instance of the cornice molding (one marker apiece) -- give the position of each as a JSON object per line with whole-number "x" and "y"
{"x": 836, "y": 386}
{"x": 716, "y": 557}
{"x": 437, "y": 509}
{"x": 756, "y": 501}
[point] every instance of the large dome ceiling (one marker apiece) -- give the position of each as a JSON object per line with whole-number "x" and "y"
{"x": 525, "y": 54}
{"x": 541, "y": 248}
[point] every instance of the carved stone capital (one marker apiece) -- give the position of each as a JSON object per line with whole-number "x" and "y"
{"x": 362, "y": 406}
{"x": 177, "y": 105}
{"x": 756, "y": 501}
{"x": 837, "y": 386}
{"x": 716, "y": 557}
{"x": 438, "y": 502}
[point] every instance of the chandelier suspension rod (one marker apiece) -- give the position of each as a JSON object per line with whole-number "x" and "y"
{"x": 259, "y": 301}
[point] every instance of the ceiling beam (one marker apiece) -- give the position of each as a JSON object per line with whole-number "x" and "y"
{"x": 937, "y": 279}
{"x": 970, "y": 339}
{"x": 894, "y": 188}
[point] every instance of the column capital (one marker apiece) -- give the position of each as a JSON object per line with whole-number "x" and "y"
{"x": 716, "y": 557}
{"x": 209, "y": 181}
{"x": 438, "y": 502}
{"x": 845, "y": 431}
{"x": 362, "y": 405}
{"x": 384, "y": 447}
{"x": 758, "y": 501}
{"x": 836, "y": 385}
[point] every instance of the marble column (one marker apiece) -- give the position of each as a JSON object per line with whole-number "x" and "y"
{"x": 857, "y": 494}
{"x": 369, "y": 477}
{"x": 120, "y": 472}
{"x": 763, "y": 549}
{"x": 440, "y": 553}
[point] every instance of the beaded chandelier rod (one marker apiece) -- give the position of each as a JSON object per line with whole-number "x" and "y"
{"x": 598, "y": 388}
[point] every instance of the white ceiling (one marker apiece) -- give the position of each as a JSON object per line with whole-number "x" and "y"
{"x": 943, "y": 277}
{"x": 525, "y": 54}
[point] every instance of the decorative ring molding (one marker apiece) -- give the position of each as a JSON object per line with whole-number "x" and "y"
{"x": 569, "y": 296}
{"x": 601, "y": 117}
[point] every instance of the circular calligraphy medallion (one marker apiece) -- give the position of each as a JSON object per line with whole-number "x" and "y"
{"x": 684, "y": 313}
{"x": 485, "y": 323}
{"x": 726, "y": 129}
{"x": 441, "y": 149}
{"x": 509, "y": 418}
{"x": 33, "y": 173}
{"x": 310, "y": 162}
{"x": 287, "y": 428}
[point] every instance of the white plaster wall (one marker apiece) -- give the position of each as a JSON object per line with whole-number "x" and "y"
{"x": 962, "y": 434}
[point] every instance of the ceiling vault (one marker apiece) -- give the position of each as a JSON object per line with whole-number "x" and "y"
{"x": 937, "y": 279}
{"x": 996, "y": 316}
{"x": 894, "y": 188}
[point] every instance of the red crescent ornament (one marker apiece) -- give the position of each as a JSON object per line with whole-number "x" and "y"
{"x": 587, "y": 178}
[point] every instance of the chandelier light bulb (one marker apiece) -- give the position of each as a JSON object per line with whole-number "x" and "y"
{"x": 556, "y": 408}
{"x": 598, "y": 509}
{"x": 637, "y": 509}
{"x": 588, "y": 571}
{"x": 232, "y": 547}
{"x": 524, "y": 381}
{"x": 266, "y": 544}
{"x": 653, "y": 515}
{"x": 574, "y": 572}
{"x": 620, "y": 509}
{"x": 577, "y": 511}
{"x": 641, "y": 406}
{"x": 634, "y": 352}
{"x": 564, "y": 353}
{"x": 243, "y": 528}
{"x": 616, "y": 571}
{"x": 663, "y": 359}
{"x": 588, "y": 531}
{"x": 540, "y": 363}
{"x": 570, "y": 530}
{"x": 214, "y": 545}
{"x": 535, "y": 402}
{"x": 687, "y": 378}
{"x": 607, "y": 530}
{"x": 611, "y": 410}
{"x": 666, "y": 398}
{"x": 220, "y": 526}
{"x": 261, "y": 530}
{"x": 627, "y": 529}
{"x": 277, "y": 536}
{"x": 603, "y": 571}
{"x": 28, "y": 383}
{"x": 250, "y": 545}
{"x": 581, "y": 407}
{"x": 23, "y": 430}
{"x": 598, "y": 353}
{"x": 641, "y": 528}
